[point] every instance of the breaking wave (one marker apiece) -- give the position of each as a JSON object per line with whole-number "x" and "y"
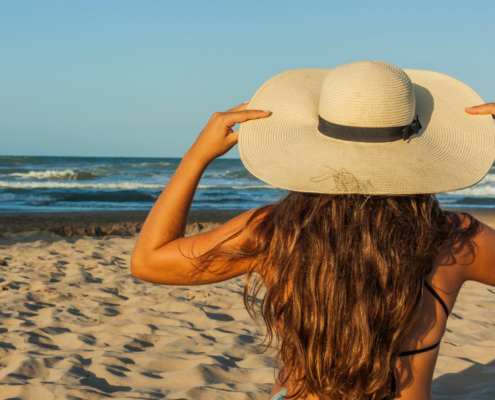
{"x": 479, "y": 190}
{"x": 150, "y": 164}
{"x": 115, "y": 186}
{"x": 30, "y": 198}
{"x": 65, "y": 175}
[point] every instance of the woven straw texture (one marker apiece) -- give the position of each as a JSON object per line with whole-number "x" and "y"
{"x": 367, "y": 94}
{"x": 453, "y": 151}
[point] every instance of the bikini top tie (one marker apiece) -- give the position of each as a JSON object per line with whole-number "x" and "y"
{"x": 393, "y": 383}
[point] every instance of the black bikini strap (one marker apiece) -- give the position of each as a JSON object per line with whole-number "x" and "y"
{"x": 419, "y": 351}
{"x": 435, "y": 294}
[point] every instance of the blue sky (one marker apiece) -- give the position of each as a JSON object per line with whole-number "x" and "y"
{"x": 141, "y": 78}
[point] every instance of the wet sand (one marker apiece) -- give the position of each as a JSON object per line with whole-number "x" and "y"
{"x": 19, "y": 222}
{"x": 125, "y": 223}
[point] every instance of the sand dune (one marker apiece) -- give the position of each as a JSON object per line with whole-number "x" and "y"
{"x": 74, "y": 324}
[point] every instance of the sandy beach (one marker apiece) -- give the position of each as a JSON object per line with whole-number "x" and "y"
{"x": 74, "y": 324}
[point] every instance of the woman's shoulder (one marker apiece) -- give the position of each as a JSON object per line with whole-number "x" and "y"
{"x": 471, "y": 256}
{"x": 247, "y": 219}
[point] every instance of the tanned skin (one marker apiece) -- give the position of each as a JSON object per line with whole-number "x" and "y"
{"x": 162, "y": 253}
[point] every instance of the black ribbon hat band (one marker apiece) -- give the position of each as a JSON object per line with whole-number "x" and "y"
{"x": 369, "y": 135}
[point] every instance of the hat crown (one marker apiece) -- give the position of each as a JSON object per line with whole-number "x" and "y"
{"x": 368, "y": 94}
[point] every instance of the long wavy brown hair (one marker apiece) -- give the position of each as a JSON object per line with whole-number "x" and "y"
{"x": 344, "y": 282}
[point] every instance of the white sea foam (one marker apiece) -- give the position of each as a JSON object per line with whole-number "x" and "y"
{"x": 112, "y": 186}
{"x": 10, "y": 197}
{"x": 485, "y": 188}
{"x": 490, "y": 178}
{"x": 448, "y": 200}
{"x": 480, "y": 190}
{"x": 147, "y": 164}
{"x": 79, "y": 185}
{"x": 252, "y": 187}
{"x": 66, "y": 175}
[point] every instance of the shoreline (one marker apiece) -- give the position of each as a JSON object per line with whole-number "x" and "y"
{"x": 101, "y": 223}
{"x": 130, "y": 222}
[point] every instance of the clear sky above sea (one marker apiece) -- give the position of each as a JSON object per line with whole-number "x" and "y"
{"x": 141, "y": 78}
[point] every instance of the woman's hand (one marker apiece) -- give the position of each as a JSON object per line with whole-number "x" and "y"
{"x": 488, "y": 108}
{"x": 218, "y": 136}
{"x": 161, "y": 255}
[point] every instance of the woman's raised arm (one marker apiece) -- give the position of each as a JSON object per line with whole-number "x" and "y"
{"x": 482, "y": 266}
{"x": 161, "y": 253}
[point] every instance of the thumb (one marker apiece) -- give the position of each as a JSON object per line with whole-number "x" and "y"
{"x": 234, "y": 137}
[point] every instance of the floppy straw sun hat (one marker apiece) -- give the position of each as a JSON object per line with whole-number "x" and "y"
{"x": 367, "y": 127}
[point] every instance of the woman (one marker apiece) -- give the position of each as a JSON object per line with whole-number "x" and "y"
{"x": 361, "y": 265}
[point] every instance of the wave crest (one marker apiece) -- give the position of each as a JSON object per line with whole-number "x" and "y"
{"x": 478, "y": 190}
{"x": 56, "y": 175}
{"x": 148, "y": 164}
{"x": 114, "y": 186}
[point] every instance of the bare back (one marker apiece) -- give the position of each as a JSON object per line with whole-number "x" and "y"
{"x": 469, "y": 260}
{"x": 472, "y": 259}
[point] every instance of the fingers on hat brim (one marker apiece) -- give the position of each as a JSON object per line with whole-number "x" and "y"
{"x": 488, "y": 108}
{"x": 245, "y": 115}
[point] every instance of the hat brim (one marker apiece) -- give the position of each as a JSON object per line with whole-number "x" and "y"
{"x": 453, "y": 151}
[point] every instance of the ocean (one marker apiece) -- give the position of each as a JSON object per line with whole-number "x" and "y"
{"x": 117, "y": 183}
